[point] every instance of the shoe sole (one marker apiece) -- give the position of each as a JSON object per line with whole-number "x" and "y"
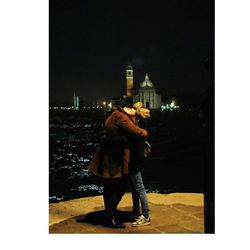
{"x": 141, "y": 225}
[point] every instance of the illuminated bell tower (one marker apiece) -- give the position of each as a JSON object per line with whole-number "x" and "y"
{"x": 129, "y": 77}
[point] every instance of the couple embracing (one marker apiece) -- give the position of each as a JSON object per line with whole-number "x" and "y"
{"x": 119, "y": 159}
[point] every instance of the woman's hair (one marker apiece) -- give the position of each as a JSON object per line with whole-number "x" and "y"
{"x": 141, "y": 111}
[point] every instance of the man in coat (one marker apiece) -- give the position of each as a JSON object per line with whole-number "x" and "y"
{"x": 111, "y": 160}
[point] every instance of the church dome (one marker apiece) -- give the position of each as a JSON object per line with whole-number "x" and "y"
{"x": 146, "y": 83}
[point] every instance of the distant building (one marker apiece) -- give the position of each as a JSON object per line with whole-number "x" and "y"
{"x": 129, "y": 77}
{"x": 147, "y": 95}
{"x": 146, "y": 92}
{"x": 75, "y": 102}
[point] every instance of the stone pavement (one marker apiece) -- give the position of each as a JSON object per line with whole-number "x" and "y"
{"x": 170, "y": 213}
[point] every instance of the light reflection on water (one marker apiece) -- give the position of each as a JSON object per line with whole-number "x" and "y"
{"x": 81, "y": 173}
{"x": 55, "y": 198}
{"x": 90, "y": 187}
{"x": 72, "y": 146}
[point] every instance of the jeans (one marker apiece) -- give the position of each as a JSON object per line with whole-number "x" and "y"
{"x": 139, "y": 194}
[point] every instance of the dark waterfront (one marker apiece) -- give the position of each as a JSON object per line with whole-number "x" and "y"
{"x": 177, "y": 162}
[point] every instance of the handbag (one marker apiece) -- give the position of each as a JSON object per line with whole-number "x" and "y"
{"x": 147, "y": 149}
{"x": 144, "y": 150}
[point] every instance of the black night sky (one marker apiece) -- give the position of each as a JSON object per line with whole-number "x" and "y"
{"x": 92, "y": 41}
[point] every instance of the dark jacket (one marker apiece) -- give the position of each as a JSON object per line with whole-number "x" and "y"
{"x": 113, "y": 156}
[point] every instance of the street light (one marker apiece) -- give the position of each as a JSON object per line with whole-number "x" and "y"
{"x": 104, "y": 108}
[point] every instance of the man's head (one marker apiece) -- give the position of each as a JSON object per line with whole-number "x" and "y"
{"x": 123, "y": 102}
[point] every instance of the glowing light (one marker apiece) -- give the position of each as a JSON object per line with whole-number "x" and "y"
{"x": 104, "y": 103}
{"x": 163, "y": 107}
{"x": 172, "y": 104}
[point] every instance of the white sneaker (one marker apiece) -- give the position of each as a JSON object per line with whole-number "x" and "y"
{"x": 141, "y": 221}
{"x": 134, "y": 217}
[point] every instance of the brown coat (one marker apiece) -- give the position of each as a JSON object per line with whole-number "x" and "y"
{"x": 112, "y": 157}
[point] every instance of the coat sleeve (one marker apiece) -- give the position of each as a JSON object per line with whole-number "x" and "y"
{"x": 127, "y": 125}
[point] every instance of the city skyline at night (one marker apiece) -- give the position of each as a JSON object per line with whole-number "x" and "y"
{"x": 90, "y": 45}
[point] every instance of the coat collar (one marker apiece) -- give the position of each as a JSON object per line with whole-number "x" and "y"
{"x": 120, "y": 109}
